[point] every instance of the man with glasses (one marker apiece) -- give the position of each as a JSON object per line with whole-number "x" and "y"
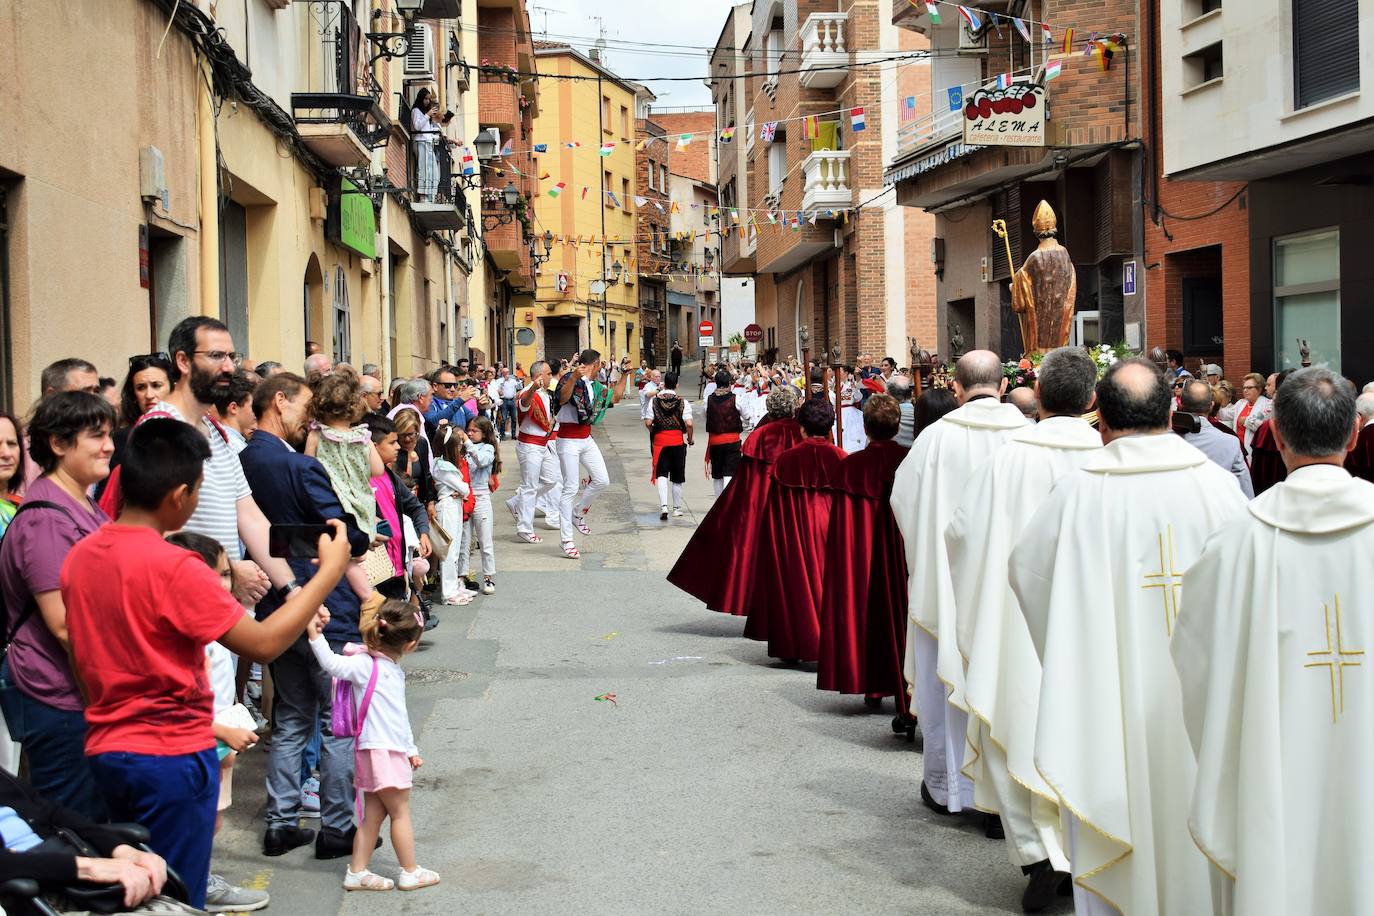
{"x": 448, "y": 401}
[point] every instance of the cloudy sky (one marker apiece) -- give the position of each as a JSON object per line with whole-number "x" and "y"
{"x": 644, "y": 38}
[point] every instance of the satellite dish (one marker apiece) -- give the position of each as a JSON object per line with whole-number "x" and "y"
{"x": 598, "y": 287}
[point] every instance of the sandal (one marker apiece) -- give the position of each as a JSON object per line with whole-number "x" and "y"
{"x": 366, "y": 880}
{"x": 580, "y": 523}
{"x": 420, "y": 877}
{"x": 570, "y": 550}
{"x": 530, "y": 538}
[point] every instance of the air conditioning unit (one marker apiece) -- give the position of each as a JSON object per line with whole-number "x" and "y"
{"x": 469, "y": 331}
{"x": 419, "y": 48}
{"x": 971, "y": 42}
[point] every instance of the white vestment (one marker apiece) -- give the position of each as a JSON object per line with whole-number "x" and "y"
{"x": 1002, "y": 671}
{"x": 927, "y": 489}
{"x": 1098, "y": 574}
{"x": 1274, "y": 655}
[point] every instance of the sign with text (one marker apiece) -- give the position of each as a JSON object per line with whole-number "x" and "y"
{"x": 753, "y": 333}
{"x": 1014, "y": 116}
{"x": 706, "y": 329}
{"x": 1128, "y": 278}
{"x": 351, "y": 221}
{"x": 706, "y": 341}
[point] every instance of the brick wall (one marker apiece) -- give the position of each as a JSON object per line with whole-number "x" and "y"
{"x": 697, "y": 160}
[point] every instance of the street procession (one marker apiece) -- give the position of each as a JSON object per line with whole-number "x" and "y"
{"x": 763, "y": 457}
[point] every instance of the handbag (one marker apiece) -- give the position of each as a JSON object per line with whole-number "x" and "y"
{"x": 378, "y": 566}
{"x": 440, "y": 541}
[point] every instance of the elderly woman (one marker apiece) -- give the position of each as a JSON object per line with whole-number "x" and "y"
{"x": 69, "y": 438}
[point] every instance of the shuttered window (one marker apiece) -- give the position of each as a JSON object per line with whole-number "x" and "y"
{"x": 1326, "y": 46}
{"x": 418, "y": 50}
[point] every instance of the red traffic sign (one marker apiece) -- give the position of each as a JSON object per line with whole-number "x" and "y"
{"x": 706, "y": 329}
{"x": 753, "y": 333}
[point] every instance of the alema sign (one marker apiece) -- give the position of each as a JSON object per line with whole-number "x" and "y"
{"x": 1014, "y": 116}
{"x": 352, "y": 222}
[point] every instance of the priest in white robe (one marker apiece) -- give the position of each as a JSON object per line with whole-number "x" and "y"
{"x": 1274, "y": 653}
{"x": 1098, "y": 574}
{"x": 1002, "y": 674}
{"x": 929, "y": 484}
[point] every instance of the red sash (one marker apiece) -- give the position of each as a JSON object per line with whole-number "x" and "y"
{"x": 574, "y": 430}
{"x": 532, "y": 439}
{"x": 721, "y": 439}
{"x": 661, "y": 441}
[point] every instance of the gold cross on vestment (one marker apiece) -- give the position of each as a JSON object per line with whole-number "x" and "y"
{"x": 1335, "y": 660}
{"x": 1170, "y": 580}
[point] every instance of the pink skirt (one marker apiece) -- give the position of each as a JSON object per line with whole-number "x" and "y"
{"x": 381, "y": 769}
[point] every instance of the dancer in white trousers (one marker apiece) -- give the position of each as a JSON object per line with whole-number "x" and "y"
{"x": 578, "y": 408}
{"x": 539, "y": 472}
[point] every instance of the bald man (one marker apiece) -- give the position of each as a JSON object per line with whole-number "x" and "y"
{"x": 929, "y": 484}
{"x": 1023, "y": 399}
{"x": 318, "y": 362}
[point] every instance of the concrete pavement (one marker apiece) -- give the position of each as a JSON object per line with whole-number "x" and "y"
{"x": 718, "y": 781}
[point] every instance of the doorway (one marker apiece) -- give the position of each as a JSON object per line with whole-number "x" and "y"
{"x": 233, "y": 272}
{"x": 561, "y": 338}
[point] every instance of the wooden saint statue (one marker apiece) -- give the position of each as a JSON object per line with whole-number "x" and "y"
{"x": 1044, "y": 289}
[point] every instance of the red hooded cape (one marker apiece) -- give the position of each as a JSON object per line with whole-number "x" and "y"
{"x": 1360, "y": 461}
{"x": 786, "y": 600}
{"x": 864, "y": 598}
{"x": 1266, "y": 464}
{"x": 717, "y": 565}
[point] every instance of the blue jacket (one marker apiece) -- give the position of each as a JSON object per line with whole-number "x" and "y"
{"x": 452, "y": 411}
{"x": 294, "y": 489}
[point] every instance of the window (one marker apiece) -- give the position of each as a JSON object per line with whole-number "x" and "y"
{"x": 624, "y": 123}
{"x": 1326, "y": 50}
{"x": 777, "y": 165}
{"x": 606, "y": 114}
{"x": 343, "y": 335}
{"x": 606, "y": 184}
{"x": 1307, "y": 298}
{"x": 625, "y": 199}
{"x": 653, "y": 170}
{"x": 418, "y": 50}
{"x": 663, "y": 178}
{"x": 1202, "y": 66}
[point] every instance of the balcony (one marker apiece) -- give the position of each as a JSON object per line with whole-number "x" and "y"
{"x": 434, "y": 203}
{"x": 339, "y": 128}
{"x": 827, "y": 180}
{"x": 929, "y": 132}
{"x": 822, "y": 39}
{"x": 501, "y": 101}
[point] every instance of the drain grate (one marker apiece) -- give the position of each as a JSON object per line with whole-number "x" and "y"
{"x": 435, "y": 676}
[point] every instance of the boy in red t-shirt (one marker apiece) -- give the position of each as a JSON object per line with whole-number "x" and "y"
{"x": 140, "y": 612}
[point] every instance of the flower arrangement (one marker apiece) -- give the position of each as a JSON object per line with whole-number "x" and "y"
{"x": 1107, "y": 355}
{"x": 1020, "y": 373}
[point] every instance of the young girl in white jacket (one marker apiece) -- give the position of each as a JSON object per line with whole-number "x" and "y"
{"x": 453, "y": 480}
{"x": 484, "y": 462}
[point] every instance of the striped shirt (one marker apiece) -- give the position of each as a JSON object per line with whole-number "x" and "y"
{"x": 221, "y": 488}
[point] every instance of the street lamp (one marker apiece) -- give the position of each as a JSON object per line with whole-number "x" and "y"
{"x": 535, "y": 257}
{"x": 486, "y": 143}
{"x": 511, "y": 197}
{"x": 394, "y": 44}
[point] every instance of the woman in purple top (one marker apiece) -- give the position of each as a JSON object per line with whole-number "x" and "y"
{"x": 69, "y": 438}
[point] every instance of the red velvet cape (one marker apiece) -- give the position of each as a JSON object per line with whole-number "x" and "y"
{"x": 785, "y": 603}
{"x": 864, "y": 604}
{"x": 1266, "y": 464}
{"x": 1360, "y": 461}
{"x": 717, "y": 565}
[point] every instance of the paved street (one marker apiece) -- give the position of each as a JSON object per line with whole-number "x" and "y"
{"x": 720, "y": 781}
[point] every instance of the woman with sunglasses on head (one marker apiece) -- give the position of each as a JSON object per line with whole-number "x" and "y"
{"x": 149, "y": 381}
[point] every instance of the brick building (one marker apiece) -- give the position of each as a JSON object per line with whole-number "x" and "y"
{"x": 830, "y": 250}
{"x": 652, "y": 220}
{"x": 1087, "y": 165}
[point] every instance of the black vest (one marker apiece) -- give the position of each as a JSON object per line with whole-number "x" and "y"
{"x": 721, "y": 414}
{"x": 668, "y": 416}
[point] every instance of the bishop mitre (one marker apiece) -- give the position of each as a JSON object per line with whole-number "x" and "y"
{"x": 1098, "y": 574}
{"x": 1002, "y": 674}
{"x": 1273, "y": 649}
{"x": 925, "y": 493}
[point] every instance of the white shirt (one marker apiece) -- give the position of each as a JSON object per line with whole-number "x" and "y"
{"x": 221, "y": 488}
{"x": 508, "y": 387}
{"x": 450, "y": 480}
{"x": 568, "y": 412}
{"x": 686, "y": 406}
{"x": 387, "y": 724}
{"x": 527, "y": 424}
{"x": 646, "y": 394}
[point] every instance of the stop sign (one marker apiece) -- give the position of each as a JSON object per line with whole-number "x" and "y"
{"x": 706, "y": 329}
{"x": 753, "y": 333}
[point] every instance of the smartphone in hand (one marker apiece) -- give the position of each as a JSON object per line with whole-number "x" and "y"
{"x": 295, "y": 541}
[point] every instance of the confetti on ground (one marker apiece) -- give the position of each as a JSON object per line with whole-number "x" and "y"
{"x": 607, "y": 698}
{"x": 678, "y": 658}
{"x": 611, "y": 635}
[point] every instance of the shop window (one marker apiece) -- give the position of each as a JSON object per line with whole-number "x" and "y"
{"x": 1307, "y": 299}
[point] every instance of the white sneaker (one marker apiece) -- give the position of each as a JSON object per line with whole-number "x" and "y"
{"x": 677, "y": 512}
{"x": 662, "y": 513}
{"x": 223, "y": 897}
{"x": 488, "y": 586}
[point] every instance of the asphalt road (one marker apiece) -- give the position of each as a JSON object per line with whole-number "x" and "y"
{"x": 718, "y": 781}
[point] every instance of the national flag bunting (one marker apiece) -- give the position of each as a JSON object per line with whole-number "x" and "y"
{"x": 585, "y": 189}
{"x": 574, "y": 144}
{"x": 541, "y": 147}
{"x": 1021, "y": 27}
{"x": 933, "y": 10}
{"x": 1067, "y": 46}
{"x": 908, "y": 108}
{"x": 615, "y": 202}
{"x": 768, "y": 131}
{"x": 971, "y": 17}
{"x": 1053, "y": 69}
{"x": 545, "y": 177}
{"x": 640, "y": 201}
{"x": 811, "y": 127}
{"x": 727, "y": 135}
{"x": 1047, "y": 32}
{"x": 607, "y": 149}
{"x": 684, "y": 141}
{"x": 556, "y": 189}
{"x": 508, "y": 146}
{"x": 856, "y": 119}
{"x": 1004, "y": 81}
{"x": 469, "y": 164}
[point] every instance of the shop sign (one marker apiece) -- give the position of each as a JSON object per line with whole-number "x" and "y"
{"x": 1014, "y": 116}
{"x": 352, "y": 221}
